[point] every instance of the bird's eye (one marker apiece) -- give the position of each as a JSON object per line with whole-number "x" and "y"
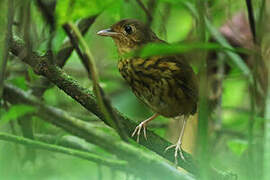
{"x": 128, "y": 29}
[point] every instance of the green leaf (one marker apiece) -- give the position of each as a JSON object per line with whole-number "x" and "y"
{"x": 172, "y": 49}
{"x": 19, "y": 82}
{"x": 237, "y": 146}
{"x": 69, "y": 10}
{"x": 15, "y": 112}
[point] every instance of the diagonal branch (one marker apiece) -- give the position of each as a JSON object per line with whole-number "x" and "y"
{"x": 67, "y": 48}
{"x": 103, "y": 103}
{"x": 87, "y": 100}
{"x": 75, "y": 44}
{"x": 41, "y": 66}
{"x": 252, "y": 23}
{"x": 144, "y": 162}
{"x": 63, "y": 54}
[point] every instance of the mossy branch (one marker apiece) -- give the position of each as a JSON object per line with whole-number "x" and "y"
{"x": 142, "y": 162}
{"x": 63, "y": 54}
{"x": 103, "y": 104}
{"x": 41, "y": 66}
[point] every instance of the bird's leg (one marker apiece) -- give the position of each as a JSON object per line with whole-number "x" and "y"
{"x": 143, "y": 125}
{"x": 177, "y": 146}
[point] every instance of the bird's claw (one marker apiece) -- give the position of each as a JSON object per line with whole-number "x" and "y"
{"x": 138, "y": 131}
{"x": 177, "y": 149}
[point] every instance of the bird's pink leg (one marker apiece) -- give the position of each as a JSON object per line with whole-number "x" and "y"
{"x": 143, "y": 125}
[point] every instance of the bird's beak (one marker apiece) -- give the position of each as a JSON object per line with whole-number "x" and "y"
{"x": 107, "y": 32}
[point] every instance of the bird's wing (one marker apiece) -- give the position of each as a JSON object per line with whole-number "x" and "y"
{"x": 172, "y": 68}
{"x": 177, "y": 68}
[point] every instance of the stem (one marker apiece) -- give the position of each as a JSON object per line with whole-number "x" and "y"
{"x": 109, "y": 117}
{"x": 251, "y": 19}
{"x": 202, "y": 139}
{"x": 75, "y": 45}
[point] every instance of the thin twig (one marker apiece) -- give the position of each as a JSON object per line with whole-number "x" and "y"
{"x": 164, "y": 19}
{"x": 260, "y": 23}
{"x": 103, "y": 104}
{"x": 72, "y": 142}
{"x": 253, "y": 87}
{"x": 148, "y": 14}
{"x": 75, "y": 44}
{"x": 26, "y": 20}
{"x": 67, "y": 47}
{"x": 62, "y": 55}
{"x": 48, "y": 12}
{"x": 203, "y": 106}
{"x": 251, "y": 19}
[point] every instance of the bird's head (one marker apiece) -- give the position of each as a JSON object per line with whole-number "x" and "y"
{"x": 129, "y": 34}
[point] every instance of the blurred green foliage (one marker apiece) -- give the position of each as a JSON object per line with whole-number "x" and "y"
{"x": 173, "y": 22}
{"x": 237, "y": 146}
{"x": 15, "y": 112}
{"x": 71, "y": 10}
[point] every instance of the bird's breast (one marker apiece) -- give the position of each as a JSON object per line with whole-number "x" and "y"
{"x": 152, "y": 81}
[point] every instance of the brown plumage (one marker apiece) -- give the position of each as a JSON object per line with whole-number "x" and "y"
{"x": 167, "y": 84}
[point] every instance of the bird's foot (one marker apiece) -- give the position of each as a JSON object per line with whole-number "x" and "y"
{"x": 138, "y": 129}
{"x": 143, "y": 125}
{"x": 178, "y": 149}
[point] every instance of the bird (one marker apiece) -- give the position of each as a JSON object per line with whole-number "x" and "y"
{"x": 167, "y": 84}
